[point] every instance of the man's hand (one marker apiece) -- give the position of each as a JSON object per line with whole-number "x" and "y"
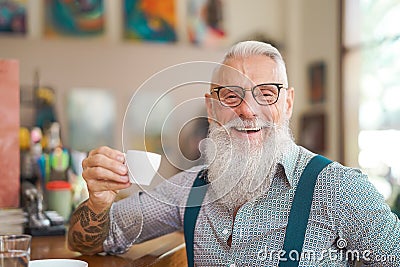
{"x": 105, "y": 174}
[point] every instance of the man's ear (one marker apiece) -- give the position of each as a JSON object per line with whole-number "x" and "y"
{"x": 289, "y": 102}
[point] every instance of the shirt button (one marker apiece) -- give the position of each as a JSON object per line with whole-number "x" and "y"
{"x": 225, "y": 231}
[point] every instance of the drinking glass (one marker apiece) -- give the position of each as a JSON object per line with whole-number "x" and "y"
{"x": 15, "y": 250}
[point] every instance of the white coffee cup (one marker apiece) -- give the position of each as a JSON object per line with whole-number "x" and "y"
{"x": 142, "y": 166}
{"x": 58, "y": 263}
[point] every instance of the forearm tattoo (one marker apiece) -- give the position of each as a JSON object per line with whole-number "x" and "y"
{"x": 95, "y": 229}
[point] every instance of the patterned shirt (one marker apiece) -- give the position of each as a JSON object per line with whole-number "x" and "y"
{"x": 349, "y": 220}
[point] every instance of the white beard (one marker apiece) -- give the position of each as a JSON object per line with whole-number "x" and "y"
{"x": 242, "y": 169}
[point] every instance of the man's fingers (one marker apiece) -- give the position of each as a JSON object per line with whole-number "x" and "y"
{"x": 99, "y": 173}
{"x": 100, "y": 160}
{"x": 104, "y": 171}
{"x": 109, "y": 152}
{"x": 105, "y": 185}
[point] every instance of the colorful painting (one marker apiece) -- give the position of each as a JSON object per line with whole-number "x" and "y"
{"x": 150, "y": 20}
{"x": 74, "y": 18}
{"x": 13, "y": 16}
{"x": 205, "y": 22}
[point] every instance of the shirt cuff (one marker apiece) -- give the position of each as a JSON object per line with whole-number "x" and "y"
{"x": 126, "y": 221}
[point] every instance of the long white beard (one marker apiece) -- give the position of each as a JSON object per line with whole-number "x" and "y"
{"x": 240, "y": 169}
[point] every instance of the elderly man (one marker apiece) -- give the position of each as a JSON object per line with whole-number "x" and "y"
{"x": 261, "y": 200}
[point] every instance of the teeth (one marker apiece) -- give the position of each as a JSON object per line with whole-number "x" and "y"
{"x": 249, "y": 129}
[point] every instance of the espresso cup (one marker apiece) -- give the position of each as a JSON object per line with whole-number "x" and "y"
{"x": 142, "y": 166}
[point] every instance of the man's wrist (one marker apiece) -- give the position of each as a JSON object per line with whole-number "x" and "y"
{"x": 98, "y": 203}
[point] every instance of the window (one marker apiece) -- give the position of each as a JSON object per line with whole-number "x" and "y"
{"x": 372, "y": 91}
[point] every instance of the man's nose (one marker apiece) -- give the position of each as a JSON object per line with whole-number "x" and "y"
{"x": 248, "y": 109}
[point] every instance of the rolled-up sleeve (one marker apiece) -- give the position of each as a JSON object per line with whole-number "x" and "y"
{"x": 126, "y": 222}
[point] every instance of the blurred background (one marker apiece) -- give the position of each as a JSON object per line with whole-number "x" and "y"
{"x": 77, "y": 65}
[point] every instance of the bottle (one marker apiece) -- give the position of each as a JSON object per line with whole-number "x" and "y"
{"x": 53, "y": 137}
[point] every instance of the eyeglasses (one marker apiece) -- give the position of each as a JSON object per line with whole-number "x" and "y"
{"x": 232, "y": 96}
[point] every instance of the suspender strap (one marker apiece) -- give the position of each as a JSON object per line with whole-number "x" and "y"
{"x": 300, "y": 211}
{"x": 193, "y": 205}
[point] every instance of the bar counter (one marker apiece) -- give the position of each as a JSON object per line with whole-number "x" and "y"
{"x": 168, "y": 250}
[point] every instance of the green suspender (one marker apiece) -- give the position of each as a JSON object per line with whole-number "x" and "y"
{"x": 193, "y": 206}
{"x": 298, "y": 217}
{"x": 300, "y": 211}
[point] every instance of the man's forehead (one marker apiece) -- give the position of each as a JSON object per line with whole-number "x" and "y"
{"x": 235, "y": 74}
{"x": 230, "y": 75}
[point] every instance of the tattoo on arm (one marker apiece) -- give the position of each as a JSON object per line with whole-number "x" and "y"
{"x": 95, "y": 229}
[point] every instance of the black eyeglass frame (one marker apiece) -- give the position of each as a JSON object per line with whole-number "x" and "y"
{"x": 279, "y": 86}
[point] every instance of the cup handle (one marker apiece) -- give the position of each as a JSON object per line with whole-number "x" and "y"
{"x": 125, "y": 161}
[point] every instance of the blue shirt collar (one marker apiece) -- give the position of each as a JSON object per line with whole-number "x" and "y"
{"x": 288, "y": 160}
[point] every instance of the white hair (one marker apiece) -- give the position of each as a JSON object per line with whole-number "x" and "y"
{"x": 252, "y": 48}
{"x": 240, "y": 170}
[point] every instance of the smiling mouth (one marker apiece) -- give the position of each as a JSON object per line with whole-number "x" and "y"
{"x": 249, "y": 130}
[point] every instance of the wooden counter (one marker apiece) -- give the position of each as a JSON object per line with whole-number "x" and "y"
{"x": 164, "y": 251}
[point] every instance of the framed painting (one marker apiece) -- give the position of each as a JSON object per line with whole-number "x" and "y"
{"x": 74, "y": 18}
{"x": 313, "y": 131}
{"x": 91, "y": 114}
{"x": 150, "y": 20}
{"x": 13, "y": 16}
{"x": 317, "y": 73}
{"x": 205, "y": 24}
